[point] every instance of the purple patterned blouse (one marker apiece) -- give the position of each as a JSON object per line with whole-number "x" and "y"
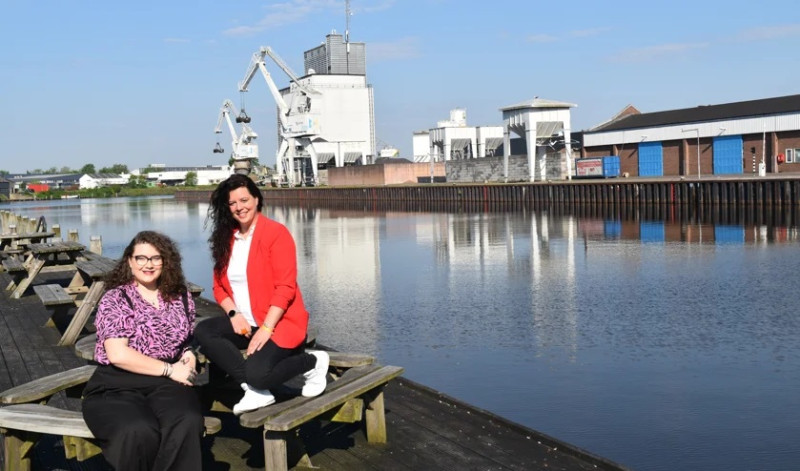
{"x": 160, "y": 333}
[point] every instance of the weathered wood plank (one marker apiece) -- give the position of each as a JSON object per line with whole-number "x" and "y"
{"x": 46, "y": 386}
{"x": 81, "y": 316}
{"x": 258, "y": 417}
{"x": 315, "y": 406}
{"x": 12, "y": 265}
{"x": 23, "y": 284}
{"x": 39, "y": 418}
{"x": 53, "y": 295}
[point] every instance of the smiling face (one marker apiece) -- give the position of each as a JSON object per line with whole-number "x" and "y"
{"x": 146, "y": 265}
{"x": 243, "y": 207}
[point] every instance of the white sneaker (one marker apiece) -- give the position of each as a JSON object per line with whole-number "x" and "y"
{"x": 253, "y": 399}
{"x": 317, "y": 377}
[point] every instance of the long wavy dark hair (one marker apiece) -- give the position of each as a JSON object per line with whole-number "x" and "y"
{"x": 224, "y": 225}
{"x": 171, "y": 283}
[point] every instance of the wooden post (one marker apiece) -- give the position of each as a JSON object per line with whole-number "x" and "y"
{"x": 72, "y": 235}
{"x": 275, "y": 450}
{"x": 12, "y": 228}
{"x": 57, "y": 232}
{"x": 96, "y": 244}
{"x": 376, "y": 418}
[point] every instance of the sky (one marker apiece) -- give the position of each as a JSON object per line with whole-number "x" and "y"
{"x": 142, "y": 82}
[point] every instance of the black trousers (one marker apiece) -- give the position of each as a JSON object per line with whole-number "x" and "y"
{"x": 144, "y": 422}
{"x": 265, "y": 369}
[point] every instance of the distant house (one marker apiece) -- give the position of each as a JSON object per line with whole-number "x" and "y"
{"x": 54, "y": 181}
{"x": 208, "y": 175}
{"x": 38, "y": 187}
{"x": 90, "y": 181}
{"x": 6, "y": 188}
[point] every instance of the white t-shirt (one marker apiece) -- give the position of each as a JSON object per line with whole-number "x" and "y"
{"x": 237, "y": 275}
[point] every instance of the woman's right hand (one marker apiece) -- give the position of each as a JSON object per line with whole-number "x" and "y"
{"x": 183, "y": 372}
{"x": 240, "y": 325}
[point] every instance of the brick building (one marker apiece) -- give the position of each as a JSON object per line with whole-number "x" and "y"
{"x": 726, "y": 139}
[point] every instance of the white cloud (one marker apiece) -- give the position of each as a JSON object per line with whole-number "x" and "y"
{"x": 285, "y": 13}
{"x": 404, "y": 48}
{"x": 656, "y": 52}
{"x": 541, "y": 38}
{"x": 549, "y": 38}
{"x": 770, "y": 32}
{"x": 584, "y": 33}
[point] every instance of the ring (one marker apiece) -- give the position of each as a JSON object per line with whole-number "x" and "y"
{"x": 243, "y": 331}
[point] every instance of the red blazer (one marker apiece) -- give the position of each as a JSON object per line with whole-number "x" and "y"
{"x": 272, "y": 281}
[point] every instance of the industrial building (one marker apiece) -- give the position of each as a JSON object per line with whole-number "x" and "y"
{"x": 543, "y": 147}
{"x": 326, "y": 117}
{"x": 756, "y": 137}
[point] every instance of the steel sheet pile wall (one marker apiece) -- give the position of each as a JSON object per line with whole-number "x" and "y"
{"x": 758, "y": 192}
{"x": 770, "y": 192}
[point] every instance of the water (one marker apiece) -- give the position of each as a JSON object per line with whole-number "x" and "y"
{"x": 660, "y": 345}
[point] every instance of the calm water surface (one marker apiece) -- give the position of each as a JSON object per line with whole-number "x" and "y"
{"x": 660, "y": 345}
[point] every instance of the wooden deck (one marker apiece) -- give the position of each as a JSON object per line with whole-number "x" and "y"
{"x": 426, "y": 430}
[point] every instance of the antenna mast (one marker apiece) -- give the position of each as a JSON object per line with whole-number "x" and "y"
{"x": 347, "y": 32}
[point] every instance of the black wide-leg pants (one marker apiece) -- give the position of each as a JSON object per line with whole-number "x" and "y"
{"x": 144, "y": 422}
{"x": 265, "y": 369}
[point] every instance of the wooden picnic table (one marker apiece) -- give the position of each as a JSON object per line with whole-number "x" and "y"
{"x": 89, "y": 279}
{"x": 59, "y": 256}
{"x": 16, "y": 245}
{"x": 10, "y": 240}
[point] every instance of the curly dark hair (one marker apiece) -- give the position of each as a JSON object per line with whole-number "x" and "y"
{"x": 224, "y": 225}
{"x": 171, "y": 283}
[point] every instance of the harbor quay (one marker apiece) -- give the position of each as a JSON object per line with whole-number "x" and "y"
{"x": 739, "y": 191}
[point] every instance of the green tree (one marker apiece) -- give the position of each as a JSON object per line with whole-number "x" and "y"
{"x": 3, "y": 173}
{"x": 116, "y": 168}
{"x": 66, "y": 169}
{"x": 137, "y": 181}
{"x": 88, "y": 168}
{"x": 191, "y": 179}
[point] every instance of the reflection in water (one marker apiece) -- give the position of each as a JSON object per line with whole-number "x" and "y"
{"x": 655, "y": 336}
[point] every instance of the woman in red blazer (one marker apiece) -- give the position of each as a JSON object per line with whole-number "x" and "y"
{"x": 255, "y": 283}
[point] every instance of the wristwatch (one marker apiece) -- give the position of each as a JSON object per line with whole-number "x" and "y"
{"x": 232, "y": 312}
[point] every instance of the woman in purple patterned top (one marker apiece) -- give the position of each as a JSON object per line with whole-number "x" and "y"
{"x": 139, "y": 403}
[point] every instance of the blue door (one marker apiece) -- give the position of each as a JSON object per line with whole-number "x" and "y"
{"x": 729, "y": 234}
{"x": 728, "y": 155}
{"x": 651, "y": 231}
{"x": 651, "y": 161}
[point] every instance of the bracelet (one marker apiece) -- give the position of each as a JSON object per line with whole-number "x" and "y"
{"x": 267, "y": 328}
{"x": 167, "y": 370}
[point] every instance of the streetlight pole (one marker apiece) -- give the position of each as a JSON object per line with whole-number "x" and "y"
{"x": 697, "y": 130}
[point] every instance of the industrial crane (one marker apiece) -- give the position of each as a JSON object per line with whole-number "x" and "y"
{"x": 244, "y": 149}
{"x": 297, "y": 127}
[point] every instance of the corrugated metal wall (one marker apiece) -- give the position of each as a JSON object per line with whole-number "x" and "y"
{"x": 651, "y": 159}
{"x": 728, "y": 155}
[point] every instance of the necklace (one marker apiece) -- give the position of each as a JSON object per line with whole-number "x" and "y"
{"x": 150, "y": 297}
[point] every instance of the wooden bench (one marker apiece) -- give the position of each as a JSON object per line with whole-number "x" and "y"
{"x": 55, "y": 298}
{"x": 29, "y": 417}
{"x": 351, "y": 397}
{"x": 194, "y": 289}
{"x": 11, "y": 253}
{"x": 16, "y": 270}
{"x": 84, "y": 348}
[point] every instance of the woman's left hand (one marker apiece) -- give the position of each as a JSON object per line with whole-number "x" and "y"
{"x": 258, "y": 340}
{"x": 188, "y": 357}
